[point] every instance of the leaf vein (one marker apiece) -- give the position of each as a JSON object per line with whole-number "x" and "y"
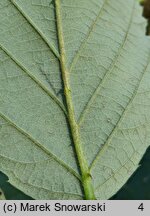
{"x": 75, "y": 59}
{"x": 40, "y": 146}
{"x": 51, "y": 46}
{"x": 106, "y": 144}
{"x": 117, "y": 171}
{"x": 109, "y": 71}
{"x": 38, "y": 82}
{"x": 53, "y": 192}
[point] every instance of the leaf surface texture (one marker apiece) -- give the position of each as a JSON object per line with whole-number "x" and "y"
{"x": 107, "y": 57}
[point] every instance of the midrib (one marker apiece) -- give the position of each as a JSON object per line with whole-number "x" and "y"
{"x": 83, "y": 165}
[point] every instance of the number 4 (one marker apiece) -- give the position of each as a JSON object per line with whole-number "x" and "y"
{"x": 141, "y": 207}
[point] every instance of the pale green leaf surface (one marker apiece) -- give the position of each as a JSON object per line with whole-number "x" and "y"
{"x": 108, "y": 59}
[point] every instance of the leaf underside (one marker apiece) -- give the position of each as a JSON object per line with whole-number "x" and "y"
{"x": 107, "y": 57}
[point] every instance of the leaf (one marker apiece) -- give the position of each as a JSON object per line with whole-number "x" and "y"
{"x": 11, "y": 193}
{"x": 2, "y": 197}
{"x": 74, "y": 96}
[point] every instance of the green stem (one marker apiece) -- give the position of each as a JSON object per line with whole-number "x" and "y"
{"x": 86, "y": 177}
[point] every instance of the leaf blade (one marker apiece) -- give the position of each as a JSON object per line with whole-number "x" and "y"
{"x": 109, "y": 43}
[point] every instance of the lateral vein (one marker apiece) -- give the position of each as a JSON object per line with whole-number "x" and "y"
{"x": 51, "y": 46}
{"x": 76, "y": 57}
{"x": 106, "y": 145}
{"x": 25, "y": 70}
{"x": 38, "y": 144}
{"x": 52, "y": 192}
{"x": 109, "y": 71}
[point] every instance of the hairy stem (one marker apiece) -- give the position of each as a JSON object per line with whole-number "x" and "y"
{"x": 86, "y": 177}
